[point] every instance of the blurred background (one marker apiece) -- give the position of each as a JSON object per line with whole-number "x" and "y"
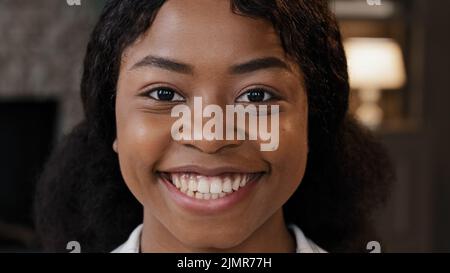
{"x": 399, "y": 64}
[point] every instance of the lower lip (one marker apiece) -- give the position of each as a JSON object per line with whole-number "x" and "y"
{"x": 211, "y": 206}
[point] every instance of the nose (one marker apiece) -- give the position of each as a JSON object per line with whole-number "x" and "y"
{"x": 208, "y": 128}
{"x": 211, "y": 146}
{"x": 206, "y": 138}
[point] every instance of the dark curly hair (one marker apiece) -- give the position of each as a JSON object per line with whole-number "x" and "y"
{"x": 81, "y": 194}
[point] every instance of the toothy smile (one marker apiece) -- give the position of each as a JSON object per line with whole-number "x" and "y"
{"x": 206, "y": 187}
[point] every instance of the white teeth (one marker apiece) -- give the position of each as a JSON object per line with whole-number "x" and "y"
{"x": 176, "y": 181}
{"x": 199, "y": 195}
{"x": 208, "y": 187}
{"x": 226, "y": 187}
{"x": 216, "y": 185}
{"x": 236, "y": 183}
{"x": 192, "y": 184}
{"x": 203, "y": 185}
{"x": 184, "y": 183}
{"x": 243, "y": 181}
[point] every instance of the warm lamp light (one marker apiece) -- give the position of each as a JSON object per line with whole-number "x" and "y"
{"x": 373, "y": 64}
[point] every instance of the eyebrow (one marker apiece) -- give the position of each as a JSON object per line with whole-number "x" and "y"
{"x": 259, "y": 64}
{"x": 164, "y": 63}
{"x": 243, "y": 68}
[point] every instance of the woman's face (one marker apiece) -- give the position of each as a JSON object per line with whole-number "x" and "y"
{"x": 201, "y": 49}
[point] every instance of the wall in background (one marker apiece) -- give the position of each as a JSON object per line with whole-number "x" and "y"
{"x": 42, "y": 46}
{"x": 41, "y": 52}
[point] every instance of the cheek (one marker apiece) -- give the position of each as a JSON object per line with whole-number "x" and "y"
{"x": 289, "y": 160}
{"x": 295, "y": 137}
{"x": 142, "y": 139}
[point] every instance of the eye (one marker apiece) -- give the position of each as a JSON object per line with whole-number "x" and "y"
{"x": 255, "y": 95}
{"x": 165, "y": 94}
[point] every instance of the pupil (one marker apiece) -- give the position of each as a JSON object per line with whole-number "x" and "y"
{"x": 255, "y": 96}
{"x": 164, "y": 94}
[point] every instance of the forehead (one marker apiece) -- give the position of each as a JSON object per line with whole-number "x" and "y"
{"x": 207, "y": 31}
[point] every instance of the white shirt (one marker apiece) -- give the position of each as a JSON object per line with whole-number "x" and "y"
{"x": 304, "y": 245}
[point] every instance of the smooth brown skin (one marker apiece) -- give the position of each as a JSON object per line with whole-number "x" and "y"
{"x": 206, "y": 35}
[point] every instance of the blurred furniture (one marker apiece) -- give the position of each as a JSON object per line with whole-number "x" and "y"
{"x": 27, "y": 133}
{"x": 374, "y": 64}
{"x": 416, "y": 118}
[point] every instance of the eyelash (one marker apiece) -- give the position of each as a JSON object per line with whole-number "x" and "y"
{"x": 160, "y": 88}
{"x": 271, "y": 94}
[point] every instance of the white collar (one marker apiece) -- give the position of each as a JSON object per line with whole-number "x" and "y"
{"x": 304, "y": 245}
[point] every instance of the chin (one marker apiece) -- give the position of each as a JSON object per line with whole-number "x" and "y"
{"x": 209, "y": 240}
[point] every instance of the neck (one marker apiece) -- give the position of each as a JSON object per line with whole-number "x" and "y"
{"x": 157, "y": 238}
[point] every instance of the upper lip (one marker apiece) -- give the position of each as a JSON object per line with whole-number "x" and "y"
{"x": 209, "y": 171}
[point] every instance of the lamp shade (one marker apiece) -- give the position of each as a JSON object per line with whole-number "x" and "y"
{"x": 374, "y": 63}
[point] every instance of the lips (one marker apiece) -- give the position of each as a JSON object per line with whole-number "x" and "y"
{"x": 209, "y": 187}
{"x": 209, "y": 191}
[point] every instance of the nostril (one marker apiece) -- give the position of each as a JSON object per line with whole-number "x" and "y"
{"x": 211, "y": 146}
